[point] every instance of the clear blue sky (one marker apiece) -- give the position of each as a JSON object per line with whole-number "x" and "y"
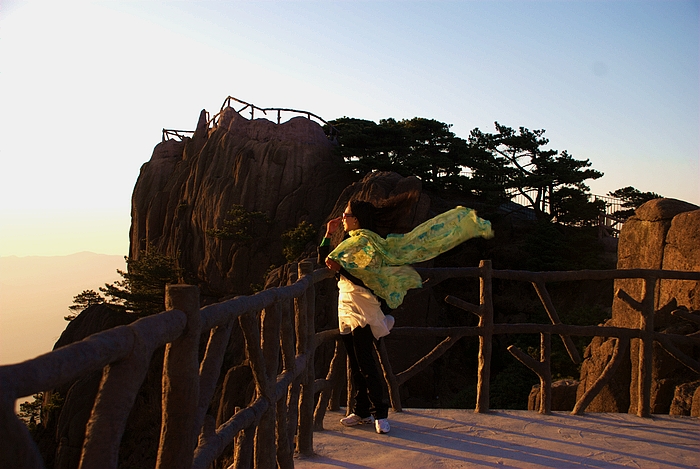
{"x": 86, "y": 87}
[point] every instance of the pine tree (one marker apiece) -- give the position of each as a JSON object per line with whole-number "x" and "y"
{"x": 142, "y": 289}
{"x": 83, "y": 301}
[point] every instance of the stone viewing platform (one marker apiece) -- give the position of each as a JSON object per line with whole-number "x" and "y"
{"x": 449, "y": 438}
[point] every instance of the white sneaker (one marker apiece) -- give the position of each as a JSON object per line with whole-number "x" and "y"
{"x": 389, "y": 321}
{"x": 354, "y": 419}
{"x": 382, "y": 425}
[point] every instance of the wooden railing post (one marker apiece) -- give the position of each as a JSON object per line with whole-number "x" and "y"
{"x": 543, "y": 293}
{"x": 287, "y": 407}
{"x": 178, "y": 435}
{"x": 262, "y": 428}
{"x": 646, "y": 348}
{"x": 285, "y": 441}
{"x": 210, "y": 369}
{"x": 290, "y": 342}
{"x": 546, "y": 376}
{"x": 485, "y": 336}
{"x": 244, "y": 449}
{"x": 265, "y": 440}
{"x": 305, "y": 337}
{"x": 336, "y": 367}
{"x": 120, "y": 385}
{"x": 389, "y": 376}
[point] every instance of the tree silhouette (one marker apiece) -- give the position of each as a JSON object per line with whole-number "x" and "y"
{"x": 517, "y": 162}
{"x": 494, "y": 166}
{"x": 30, "y": 411}
{"x": 420, "y": 147}
{"x": 631, "y": 200}
{"x": 83, "y": 301}
{"x": 142, "y": 289}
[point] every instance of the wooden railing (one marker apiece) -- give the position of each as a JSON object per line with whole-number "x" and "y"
{"x": 278, "y": 323}
{"x": 169, "y": 134}
{"x": 609, "y": 222}
{"x": 486, "y": 329}
{"x": 332, "y": 131}
{"x": 124, "y": 353}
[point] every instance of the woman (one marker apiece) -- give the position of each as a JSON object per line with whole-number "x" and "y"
{"x": 373, "y": 272}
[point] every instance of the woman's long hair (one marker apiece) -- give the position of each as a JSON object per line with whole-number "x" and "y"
{"x": 391, "y": 215}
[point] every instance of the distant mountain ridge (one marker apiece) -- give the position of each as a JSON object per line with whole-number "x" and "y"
{"x": 35, "y": 292}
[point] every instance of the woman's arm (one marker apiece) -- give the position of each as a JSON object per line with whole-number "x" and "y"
{"x": 325, "y": 248}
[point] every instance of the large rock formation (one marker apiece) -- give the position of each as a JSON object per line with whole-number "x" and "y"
{"x": 663, "y": 234}
{"x": 287, "y": 171}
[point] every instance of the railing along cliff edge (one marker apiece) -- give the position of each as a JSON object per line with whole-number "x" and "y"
{"x": 486, "y": 329}
{"x": 213, "y": 122}
{"x": 279, "y": 323}
{"x": 124, "y": 353}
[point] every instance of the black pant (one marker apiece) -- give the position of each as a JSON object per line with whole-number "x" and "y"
{"x": 367, "y": 380}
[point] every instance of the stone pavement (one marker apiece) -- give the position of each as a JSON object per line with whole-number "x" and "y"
{"x": 449, "y": 438}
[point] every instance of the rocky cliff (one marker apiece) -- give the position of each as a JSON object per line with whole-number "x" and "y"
{"x": 287, "y": 171}
{"x": 663, "y": 234}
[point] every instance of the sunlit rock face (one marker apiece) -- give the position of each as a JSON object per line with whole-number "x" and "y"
{"x": 663, "y": 234}
{"x": 290, "y": 172}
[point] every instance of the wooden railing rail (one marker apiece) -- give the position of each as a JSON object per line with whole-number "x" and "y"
{"x": 278, "y": 327}
{"x": 106, "y": 350}
{"x": 486, "y": 329}
{"x": 332, "y": 131}
{"x": 169, "y": 134}
{"x": 124, "y": 353}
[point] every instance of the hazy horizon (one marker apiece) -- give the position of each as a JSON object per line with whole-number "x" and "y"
{"x": 77, "y": 253}
{"x": 35, "y": 293}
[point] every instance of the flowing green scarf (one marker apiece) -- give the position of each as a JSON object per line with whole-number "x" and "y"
{"x": 382, "y": 264}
